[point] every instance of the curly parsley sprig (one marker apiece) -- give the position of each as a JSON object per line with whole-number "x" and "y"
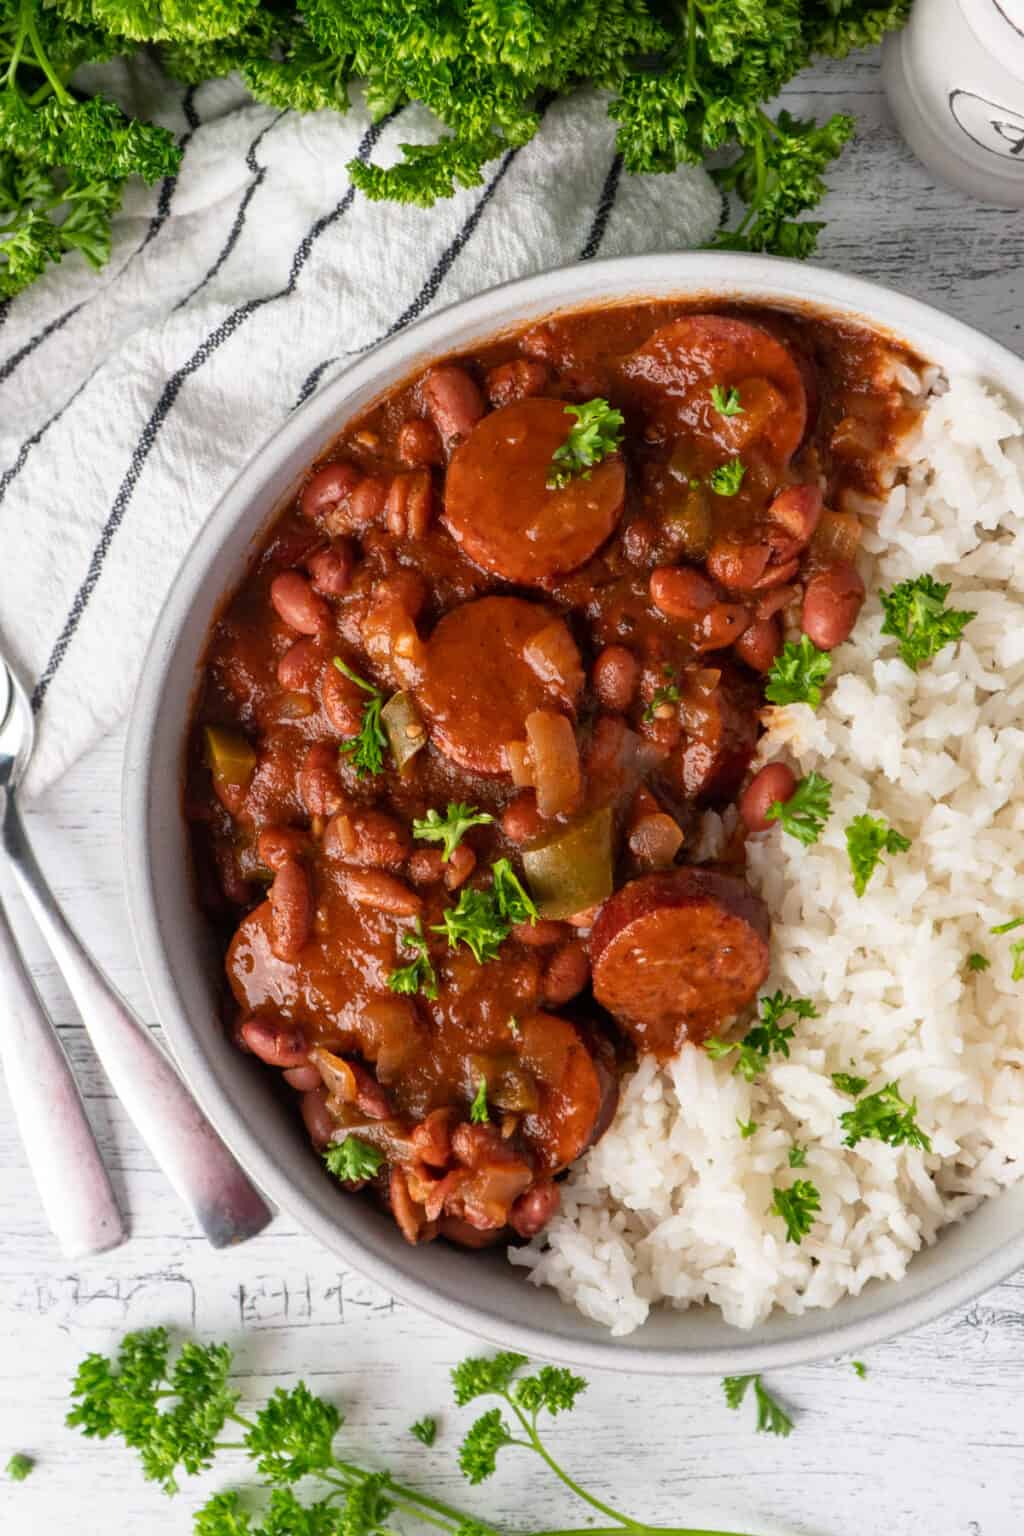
{"x": 797, "y": 674}
{"x": 806, "y": 811}
{"x": 451, "y": 828}
{"x": 772, "y": 1418}
{"x": 867, "y": 839}
{"x": 596, "y": 433}
{"x": 757, "y": 1045}
{"x": 367, "y": 748}
{"x": 916, "y": 614}
{"x": 178, "y": 1414}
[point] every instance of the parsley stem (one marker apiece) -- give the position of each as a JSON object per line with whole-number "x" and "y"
{"x": 581, "y": 1493}
{"x": 412, "y": 1500}
{"x": 43, "y": 63}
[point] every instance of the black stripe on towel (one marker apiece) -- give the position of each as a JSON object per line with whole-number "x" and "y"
{"x": 603, "y": 211}
{"x": 151, "y": 432}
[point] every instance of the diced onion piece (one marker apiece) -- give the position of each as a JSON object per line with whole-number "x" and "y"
{"x": 837, "y": 537}
{"x": 403, "y": 722}
{"x": 553, "y": 656}
{"x": 391, "y": 640}
{"x": 556, "y": 762}
{"x": 338, "y": 1077}
{"x": 655, "y": 840}
{"x": 520, "y": 765}
{"x": 231, "y": 759}
{"x": 389, "y": 1029}
{"x": 572, "y": 870}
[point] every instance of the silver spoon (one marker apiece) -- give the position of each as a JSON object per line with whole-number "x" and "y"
{"x": 206, "y": 1176}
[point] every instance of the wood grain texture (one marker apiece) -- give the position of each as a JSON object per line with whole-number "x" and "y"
{"x": 932, "y": 1442}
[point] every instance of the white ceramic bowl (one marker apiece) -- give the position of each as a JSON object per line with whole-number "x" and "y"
{"x": 482, "y": 1292}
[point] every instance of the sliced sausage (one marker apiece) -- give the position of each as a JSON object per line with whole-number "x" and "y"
{"x": 477, "y": 688}
{"x": 498, "y": 506}
{"x": 674, "y": 954}
{"x": 672, "y": 375}
{"x": 832, "y": 601}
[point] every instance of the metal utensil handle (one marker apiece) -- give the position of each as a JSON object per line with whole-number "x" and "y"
{"x": 55, "y": 1130}
{"x": 223, "y": 1201}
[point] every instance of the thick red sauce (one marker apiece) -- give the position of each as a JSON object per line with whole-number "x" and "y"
{"x": 582, "y": 663}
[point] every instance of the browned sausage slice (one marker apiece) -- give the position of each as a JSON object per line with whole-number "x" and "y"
{"x": 672, "y": 375}
{"x": 674, "y": 954}
{"x": 498, "y": 506}
{"x": 477, "y": 689}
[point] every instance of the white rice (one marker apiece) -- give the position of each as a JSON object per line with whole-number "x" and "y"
{"x": 673, "y": 1204}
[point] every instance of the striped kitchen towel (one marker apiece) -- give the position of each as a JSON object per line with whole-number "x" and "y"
{"x": 129, "y": 400}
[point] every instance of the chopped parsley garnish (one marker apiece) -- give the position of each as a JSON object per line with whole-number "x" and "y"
{"x": 772, "y": 1419}
{"x": 368, "y": 747}
{"x": 476, "y": 922}
{"x": 450, "y": 828}
{"x": 860, "y": 1368}
{"x": 352, "y": 1160}
{"x": 766, "y": 1036}
{"x": 915, "y": 613}
{"x": 846, "y": 1082}
{"x": 867, "y": 838}
{"x": 597, "y": 433}
{"x": 419, "y": 975}
{"x": 976, "y": 962}
{"x": 798, "y": 1155}
{"x": 667, "y": 693}
{"x": 727, "y": 478}
{"x": 19, "y": 1467}
{"x": 1016, "y": 949}
{"x": 513, "y": 902}
{"x": 797, "y": 673}
{"x": 746, "y": 1128}
{"x": 425, "y": 1430}
{"x": 884, "y": 1116}
{"x": 478, "y": 1111}
{"x": 726, "y": 404}
{"x": 797, "y": 1206}
{"x": 806, "y": 811}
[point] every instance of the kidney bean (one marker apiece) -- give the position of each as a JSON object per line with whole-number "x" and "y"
{"x": 521, "y": 821}
{"x": 410, "y": 504}
{"x": 419, "y": 444}
{"x": 302, "y": 1079}
{"x": 721, "y": 626}
{"x": 774, "y": 601}
{"x": 459, "y": 867}
{"x": 370, "y": 839}
{"x": 797, "y": 510}
{"x": 232, "y": 882}
{"x": 776, "y": 781}
{"x": 453, "y": 400}
{"x": 614, "y": 678}
{"x": 776, "y": 575}
{"x": 363, "y": 508}
{"x": 382, "y": 892}
{"x": 738, "y": 563}
{"x": 680, "y": 592}
{"x": 276, "y": 845}
{"x": 298, "y": 605}
{"x": 531, "y": 1212}
{"x": 300, "y": 666}
{"x": 330, "y": 570}
{"x": 330, "y": 485}
{"x": 291, "y": 911}
{"x": 426, "y": 866}
{"x": 320, "y": 1123}
{"x": 516, "y": 380}
{"x": 566, "y": 973}
{"x": 319, "y": 780}
{"x": 343, "y": 701}
{"x": 759, "y": 645}
{"x": 832, "y": 601}
{"x": 541, "y": 934}
{"x": 279, "y": 1045}
{"x": 371, "y": 1100}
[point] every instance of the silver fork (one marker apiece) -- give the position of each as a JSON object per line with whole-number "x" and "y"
{"x": 226, "y": 1205}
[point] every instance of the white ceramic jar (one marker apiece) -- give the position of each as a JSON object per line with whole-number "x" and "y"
{"x": 955, "y": 81}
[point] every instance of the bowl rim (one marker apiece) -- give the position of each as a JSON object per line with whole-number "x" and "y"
{"x": 724, "y": 277}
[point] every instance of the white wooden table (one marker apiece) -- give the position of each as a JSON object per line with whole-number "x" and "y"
{"x": 932, "y": 1441}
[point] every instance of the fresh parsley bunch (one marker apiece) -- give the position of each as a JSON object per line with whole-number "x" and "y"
{"x": 685, "y": 81}
{"x": 178, "y": 1414}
